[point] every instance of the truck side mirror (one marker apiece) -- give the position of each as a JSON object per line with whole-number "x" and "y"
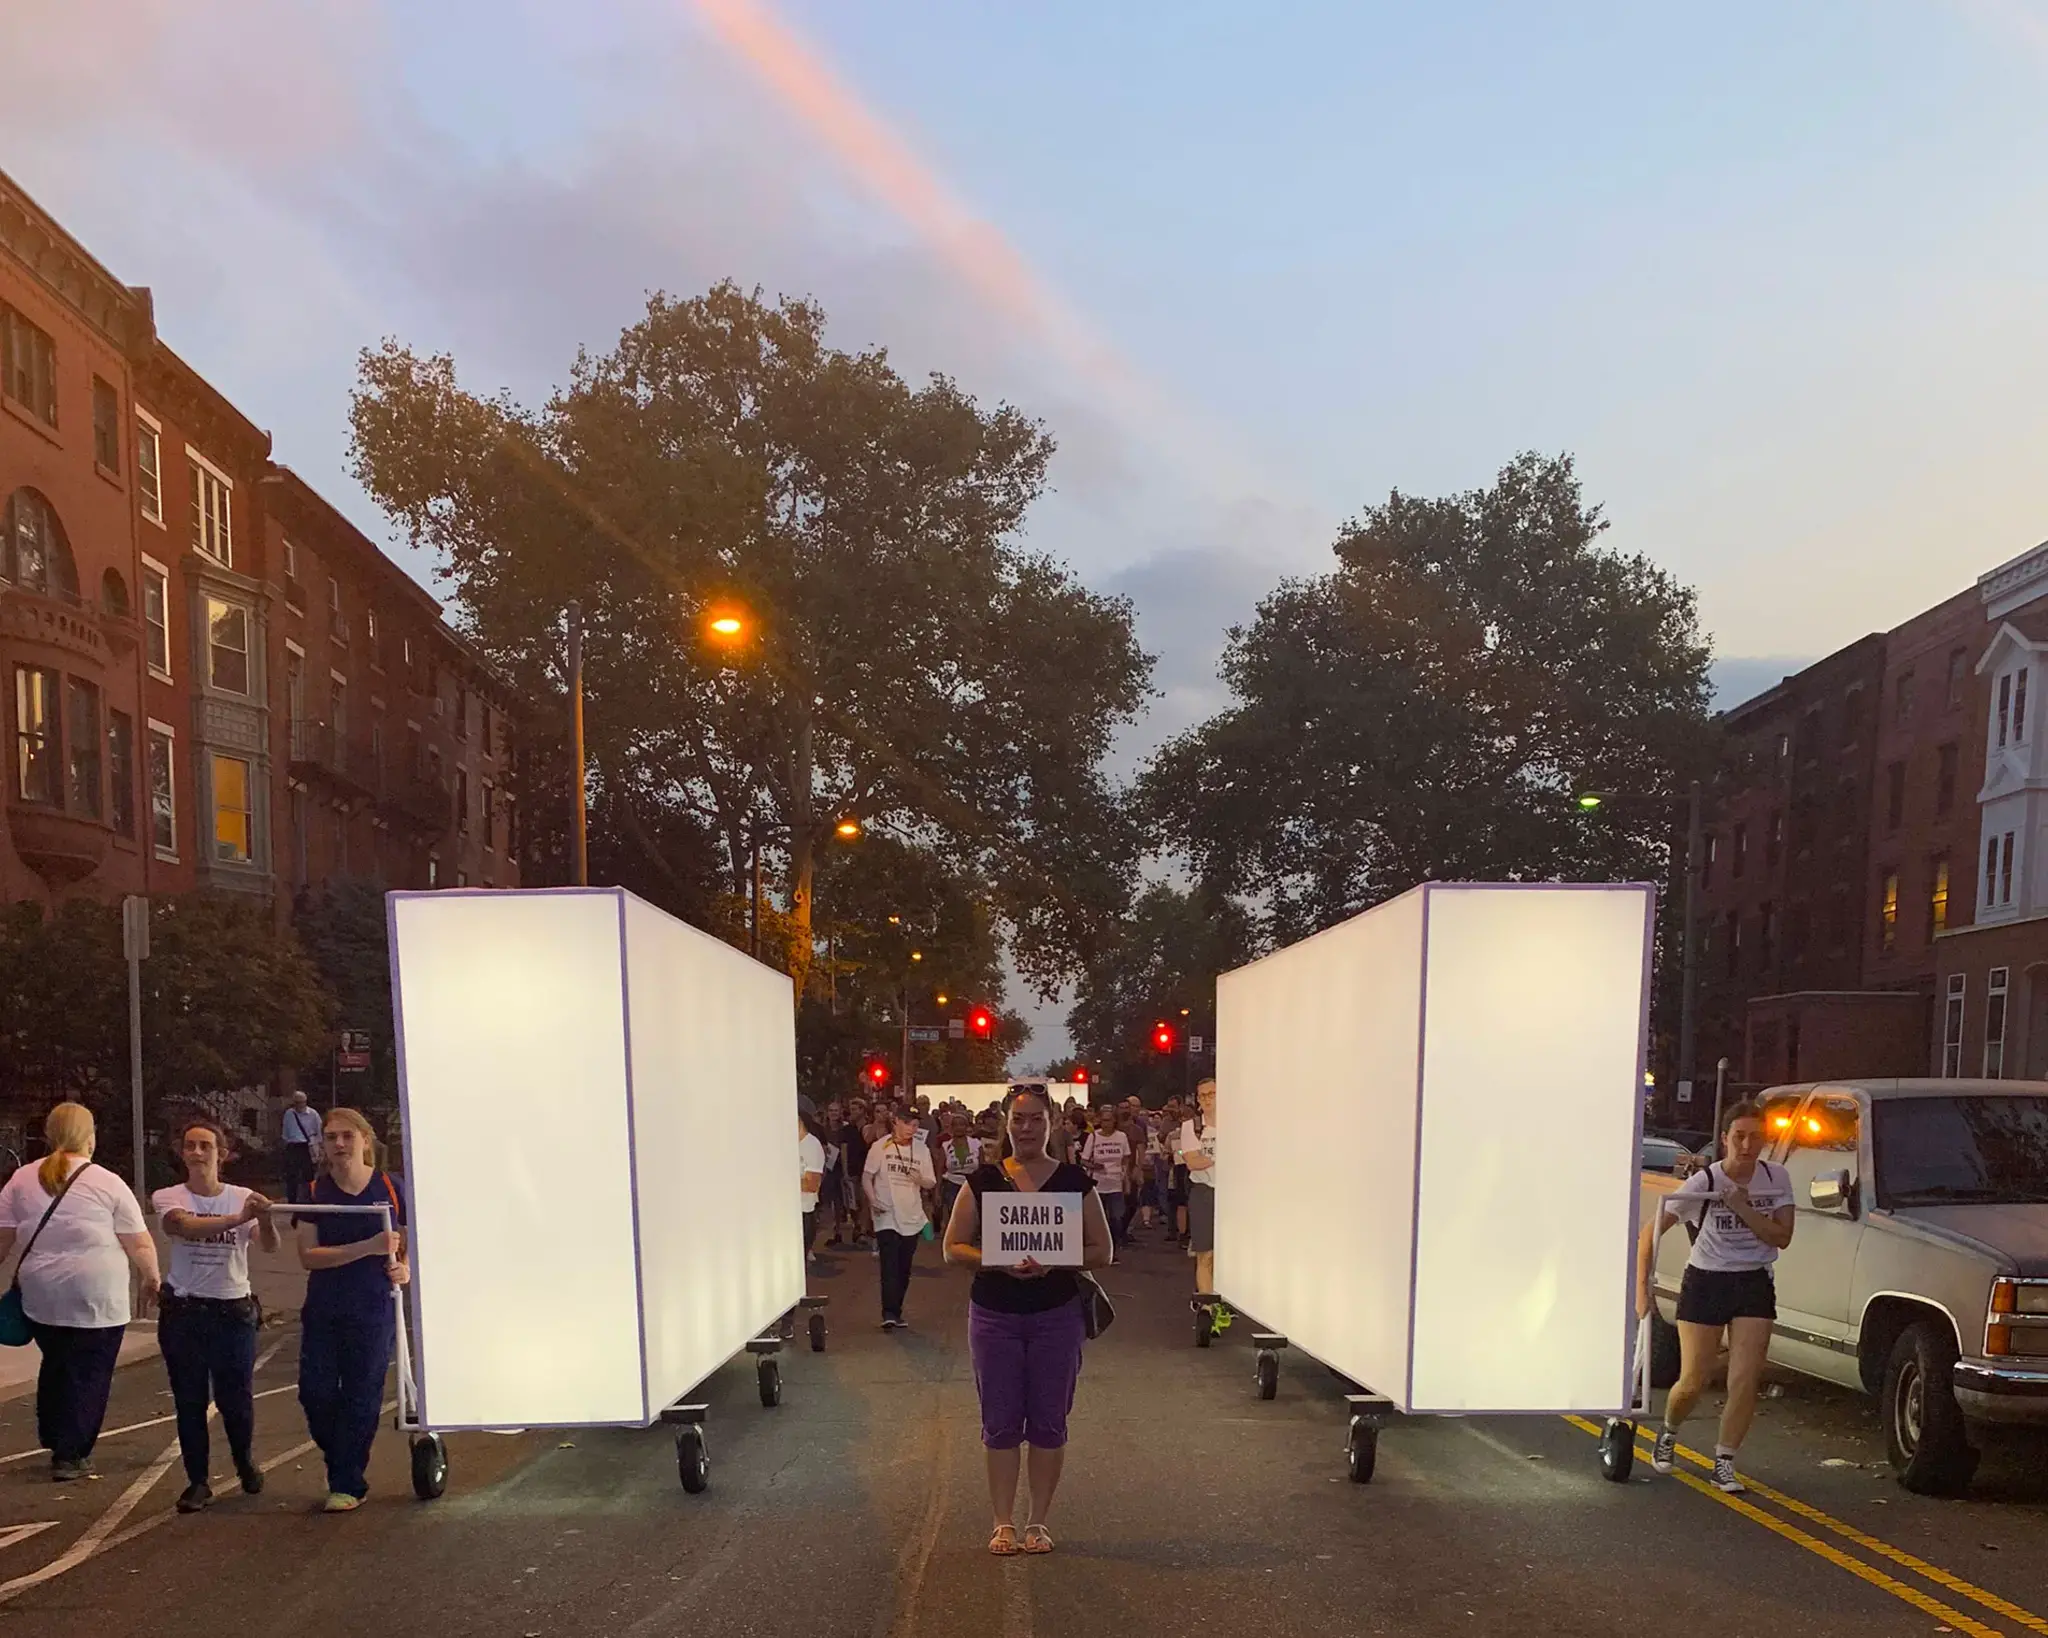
{"x": 1830, "y": 1192}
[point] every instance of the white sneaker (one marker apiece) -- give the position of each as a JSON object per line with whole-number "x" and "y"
{"x": 1724, "y": 1476}
{"x": 1664, "y": 1457}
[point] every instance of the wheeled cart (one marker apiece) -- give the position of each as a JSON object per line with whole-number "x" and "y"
{"x": 1618, "y": 1436}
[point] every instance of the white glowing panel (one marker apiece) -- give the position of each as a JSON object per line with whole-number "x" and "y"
{"x": 575, "y": 1261}
{"x": 1473, "y": 1056}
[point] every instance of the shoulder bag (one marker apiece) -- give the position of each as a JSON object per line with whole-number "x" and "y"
{"x": 1098, "y": 1313}
{"x": 16, "y": 1329}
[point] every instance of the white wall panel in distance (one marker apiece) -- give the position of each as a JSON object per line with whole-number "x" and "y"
{"x": 1428, "y": 1127}
{"x": 599, "y": 1112}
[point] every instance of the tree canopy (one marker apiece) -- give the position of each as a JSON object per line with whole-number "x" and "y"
{"x": 902, "y": 659}
{"x": 1427, "y": 709}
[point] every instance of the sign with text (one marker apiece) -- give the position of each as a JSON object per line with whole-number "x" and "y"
{"x": 924, "y": 1034}
{"x": 353, "y": 1054}
{"x": 1044, "y": 1226}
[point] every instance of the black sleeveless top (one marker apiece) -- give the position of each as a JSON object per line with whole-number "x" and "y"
{"x": 1004, "y": 1293}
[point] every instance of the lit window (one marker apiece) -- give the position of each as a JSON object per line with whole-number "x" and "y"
{"x": 213, "y": 533}
{"x": 1888, "y": 913}
{"x": 163, "y": 795}
{"x": 149, "y": 468}
{"x": 1937, "y": 900}
{"x": 233, "y": 822}
{"x": 156, "y": 616}
{"x": 37, "y": 736}
{"x": 227, "y": 639}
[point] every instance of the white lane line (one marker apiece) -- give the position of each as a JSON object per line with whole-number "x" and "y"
{"x": 157, "y": 1421}
{"x": 21, "y": 1532}
{"x": 105, "y": 1543}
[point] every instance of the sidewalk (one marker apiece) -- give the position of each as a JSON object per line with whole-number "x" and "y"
{"x": 279, "y": 1283}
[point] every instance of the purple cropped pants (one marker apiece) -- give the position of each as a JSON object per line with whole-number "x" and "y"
{"x": 1026, "y": 1367}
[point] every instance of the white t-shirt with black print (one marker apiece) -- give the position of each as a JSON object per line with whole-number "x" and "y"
{"x": 1726, "y": 1244}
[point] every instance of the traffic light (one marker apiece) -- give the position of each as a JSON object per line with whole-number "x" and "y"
{"x": 1080, "y": 1075}
{"x": 876, "y": 1074}
{"x": 1162, "y": 1037}
{"x": 981, "y": 1023}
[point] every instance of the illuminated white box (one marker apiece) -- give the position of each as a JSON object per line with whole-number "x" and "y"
{"x": 599, "y": 1105}
{"x": 1429, "y": 1126}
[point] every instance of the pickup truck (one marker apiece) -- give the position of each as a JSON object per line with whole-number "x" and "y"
{"x": 1918, "y": 1269}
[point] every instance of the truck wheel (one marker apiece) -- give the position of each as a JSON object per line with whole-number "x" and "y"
{"x": 1924, "y": 1433}
{"x": 1664, "y": 1355}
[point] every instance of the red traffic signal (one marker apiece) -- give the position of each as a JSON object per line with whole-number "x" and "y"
{"x": 981, "y": 1023}
{"x": 1080, "y": 1075}
{"x": 876, "y": 1073}
{"x": 1162, "y": 1037}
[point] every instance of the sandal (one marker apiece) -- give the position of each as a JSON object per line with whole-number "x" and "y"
{"x": 1004, "y": 1542}
{"x": 1037, "y": 1539}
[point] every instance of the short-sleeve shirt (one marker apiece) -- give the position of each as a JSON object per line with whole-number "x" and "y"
{"x": 897, "y": 1177}
{"x": 810, "y": 1157}
{"x": 1005, "y": 1293}
{"x": 77, "y": 1274}
{"x": 1726, "y": 1244}
{"x": 361, "y": 1289}
{"x": 1202, "y": 1142}
{"x": 960, "y": 1156}
{"x": 1104, "y": 1154}
{"x": 216, "y": 1267}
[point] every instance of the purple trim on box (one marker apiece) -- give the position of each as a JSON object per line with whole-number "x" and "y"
{"x": 412, "y": 1226}
{"x": 1635, "y": 1193}
{"x": 633, "y": 1161}
{"x": 1415, "y": 1189}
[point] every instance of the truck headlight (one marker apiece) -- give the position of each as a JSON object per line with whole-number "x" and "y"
{"x": 2010, "y": 1296}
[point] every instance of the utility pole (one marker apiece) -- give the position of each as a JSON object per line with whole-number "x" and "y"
{"x": 576, "y": 739}
{"x": 135, "y": 947}
{"x": 1720, "y": 1092}
{"x": 1688, "y": 1002}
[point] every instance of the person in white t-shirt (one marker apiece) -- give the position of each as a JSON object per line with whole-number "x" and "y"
{"x": 958, "y": 1152}
{"x": 210, "y": 1314}
{"x": 810, "y": 1168}
{"x": 1741, "y": 1212}
{"x": 82, "y": 1235}
{"x": 1106, "y": 1153}
{"x": 1196, "y": 1146}
{"x": 898, "y": 1180}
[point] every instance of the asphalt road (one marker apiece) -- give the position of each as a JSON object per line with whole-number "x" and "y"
{"x": 857, "y": 1508}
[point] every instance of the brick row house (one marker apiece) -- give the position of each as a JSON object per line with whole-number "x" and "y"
{"x": 1898, "y": 794}
{"x": 212, "y": 680}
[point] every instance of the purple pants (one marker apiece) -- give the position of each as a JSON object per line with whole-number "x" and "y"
{"x": 1025, "y": 1370}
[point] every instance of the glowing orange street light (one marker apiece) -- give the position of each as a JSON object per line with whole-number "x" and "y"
{"x": 847, "y": 829}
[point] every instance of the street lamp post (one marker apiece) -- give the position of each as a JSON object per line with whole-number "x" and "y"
{"x": 576, "y": 743}
{"x": 1689, "y": 956}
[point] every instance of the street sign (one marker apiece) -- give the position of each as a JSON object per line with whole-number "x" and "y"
{"x": 1685, "y": 1091}
{"x": 925, "y": 1034}
{"x": 134, "y": 928}
{"x": 1195, "y": 1045}
{"x": 956, "y": 1029}
{"x": 353, "y": 1055}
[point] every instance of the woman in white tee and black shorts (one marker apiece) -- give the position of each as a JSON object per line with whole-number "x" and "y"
{"x": 1743, "y": 1209}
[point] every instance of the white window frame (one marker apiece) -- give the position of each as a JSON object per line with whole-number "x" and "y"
{"x": 150, "y": 566}
{"x": 225, "y": 520}
{"x": 147, "y": 424}
{"x": 1956, "y": 1004}
{"x": 291, "y": 557}
{"x": 1997, "y": 989}
{"x": 248, "y": 650}
{"x": 152, "y": 731}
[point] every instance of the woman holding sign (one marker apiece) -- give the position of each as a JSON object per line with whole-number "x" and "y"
{"x": 1026, "y": 1225}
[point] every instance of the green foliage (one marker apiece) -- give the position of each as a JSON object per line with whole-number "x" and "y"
{"x": 907, "y": 662}
{"x": 1426, "y": 710}
{"x": 1166, "y": 956}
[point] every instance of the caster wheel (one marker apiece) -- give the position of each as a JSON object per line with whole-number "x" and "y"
{"x": 1205, "y": 1327}
{"x": 1618, "y": 1451}
{"x": 692, "y": 1464}
{"x": 788, "y": 1326}
{"x": 817, "y": 1333}
{"x": 771, "y": 1383}
{"x": 429, "y": 1466}
{"x": 1362, "y": 1453}
{"x": 1268, "y": 1374}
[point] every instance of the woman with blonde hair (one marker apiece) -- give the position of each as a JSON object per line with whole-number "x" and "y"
{"x": 348, "y": 1324}
{"x": 84, "y": 1234}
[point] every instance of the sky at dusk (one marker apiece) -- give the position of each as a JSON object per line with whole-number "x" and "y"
{"x": 1771, "y": 273}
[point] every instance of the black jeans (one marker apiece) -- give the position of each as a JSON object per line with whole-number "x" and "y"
{"x": 899, "y": 1251}
{"x": 210, "y": 1353}
{"x": 298, "y": 1172}
{"x": 72, "y": 1387}
{"x": 343, "y": 1358}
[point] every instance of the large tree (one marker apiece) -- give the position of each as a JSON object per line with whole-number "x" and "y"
{"x": 1427, "y": 709}
{"x": 903, "y": 660}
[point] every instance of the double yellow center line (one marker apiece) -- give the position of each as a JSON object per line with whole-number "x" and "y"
{"x": 1924, "y": 1602}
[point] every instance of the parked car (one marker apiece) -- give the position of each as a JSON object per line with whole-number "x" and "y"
{"x": 1918, "y": 1269}
{"x": 1662, "y": 1154}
